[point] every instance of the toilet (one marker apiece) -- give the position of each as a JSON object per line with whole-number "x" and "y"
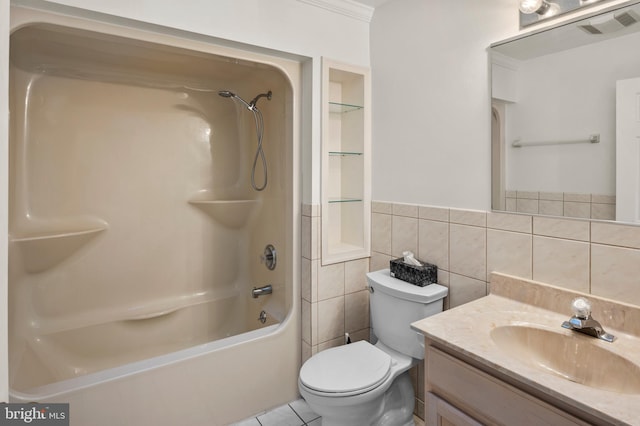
{"x": 361, "y": 384}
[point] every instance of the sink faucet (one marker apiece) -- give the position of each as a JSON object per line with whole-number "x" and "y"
{"x": 582, "y": 321}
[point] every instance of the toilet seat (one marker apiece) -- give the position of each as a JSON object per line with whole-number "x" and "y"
{"x": 346, "y": 370}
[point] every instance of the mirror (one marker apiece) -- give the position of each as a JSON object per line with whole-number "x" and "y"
{"x": 557, "y": 118}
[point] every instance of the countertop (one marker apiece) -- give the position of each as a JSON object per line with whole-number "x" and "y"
{"x": 466, "y": 330}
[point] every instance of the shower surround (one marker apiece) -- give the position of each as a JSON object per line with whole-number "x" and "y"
{"x": 135, "y": 235}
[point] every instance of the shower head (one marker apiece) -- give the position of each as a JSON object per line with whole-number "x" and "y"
{"x": 257, "y": 115}
{"x": 230, "y": 94}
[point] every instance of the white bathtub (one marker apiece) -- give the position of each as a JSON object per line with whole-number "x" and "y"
{"x": 135, "y": 237}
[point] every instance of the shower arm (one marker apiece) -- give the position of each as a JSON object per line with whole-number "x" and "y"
{"x": 254, "y": 101}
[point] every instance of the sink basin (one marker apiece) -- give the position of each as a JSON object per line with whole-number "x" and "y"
{"x": 574, "y": 357}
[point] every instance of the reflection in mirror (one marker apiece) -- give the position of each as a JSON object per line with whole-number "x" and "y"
{"x": 556, "y": 98}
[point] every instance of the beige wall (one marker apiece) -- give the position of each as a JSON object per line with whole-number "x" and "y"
{"x": 601, "y": 258}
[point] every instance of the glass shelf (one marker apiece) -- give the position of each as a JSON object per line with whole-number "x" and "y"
{"x": 343, "y": 153}
{"x": 340, "y": 108}
{"x": 344, "y": 200}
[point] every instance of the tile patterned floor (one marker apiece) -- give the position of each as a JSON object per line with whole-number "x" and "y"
{"x": 296, "y": 413}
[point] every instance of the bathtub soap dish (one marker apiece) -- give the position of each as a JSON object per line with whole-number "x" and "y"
{"x": 417, "y": 275}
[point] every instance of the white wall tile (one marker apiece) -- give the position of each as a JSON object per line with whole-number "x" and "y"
{"x": 603, "y": 211}
{"x": 330, "y": 281}
{"x": 509, "y": 222}
{"x": 408, "y": 210}
{"x": 381, "y": 233}
{"x": 306, "y": 321}
{"x": 581, "y": 210}
{"x": 433, "y": 213}
{"x": 433, "y": 243}
{"x": 381, "y": 207}
{"x": 404, "y": 235}
{"x": 531, "y": 195}
{"x": 464, "y": 289}
{"x": 356, "y": 311}
{"x": 305, "y": 230}
{"x": 551, "y": 196}
{"x": 603, "y": 199}
{"x": 564, "y": 263}
{"x": 509, "y": 253}
{"x": 527, "y": 206}
{"x": 575, "y": 197}
{"x": 468, "y": 251}
{"x": 379, "y": 261}
{"x": 561, "y": 228}
{"x": 615, "y": 273}
{"x": 305, "y": 279}
{"x": 615, "y": 234}
{"x": 355, "y": 275}
{"x": 330, "y": 319}
{"x": 551, "y": 208}
{"x": 468, "y": 217}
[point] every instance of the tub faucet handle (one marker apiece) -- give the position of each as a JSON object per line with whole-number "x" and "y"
{"x": 268, "y": 257}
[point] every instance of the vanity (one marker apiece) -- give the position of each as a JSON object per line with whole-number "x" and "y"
{"x": 506, "y": 359}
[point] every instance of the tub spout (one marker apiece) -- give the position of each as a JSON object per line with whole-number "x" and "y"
{"x": 261, "y": 291}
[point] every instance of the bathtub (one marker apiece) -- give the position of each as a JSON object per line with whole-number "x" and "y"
{"x": 135, "y": 236}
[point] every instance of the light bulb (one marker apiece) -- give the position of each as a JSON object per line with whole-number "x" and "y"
{"x": 530, "y": 6}
{"x": 552, "y": 10}
{"x": 541, "y": 7}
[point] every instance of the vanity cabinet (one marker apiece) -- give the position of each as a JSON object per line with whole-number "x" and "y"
{"x": 459, "y": 394}
{"x": 346, "y": 162}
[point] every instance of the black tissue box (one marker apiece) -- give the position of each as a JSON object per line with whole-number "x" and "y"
{"x": 417, "y": 275}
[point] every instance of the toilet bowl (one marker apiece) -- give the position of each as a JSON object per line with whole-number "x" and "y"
{"x": 351, "y": 385}
{"x": 361, "y": 384}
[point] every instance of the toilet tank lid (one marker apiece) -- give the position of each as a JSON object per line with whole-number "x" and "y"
{"x": 383, "y": 281}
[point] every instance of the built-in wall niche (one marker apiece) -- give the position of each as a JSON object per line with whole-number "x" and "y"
{"x": 346, "y": 170}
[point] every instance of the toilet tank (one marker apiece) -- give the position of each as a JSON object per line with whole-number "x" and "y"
{"x": 395, "y": 304}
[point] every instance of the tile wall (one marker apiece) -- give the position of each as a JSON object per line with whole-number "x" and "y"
{"x": 602, "y": 258}
{"x": 588, "y": 206}
{"x": 335, "y": 299}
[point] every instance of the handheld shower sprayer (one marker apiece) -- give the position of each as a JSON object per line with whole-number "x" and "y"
{"x": 250, "y": 105}
{"x": 257, "y": 115}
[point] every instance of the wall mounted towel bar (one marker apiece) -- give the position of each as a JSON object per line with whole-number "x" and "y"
{"x": 592, "y": 139}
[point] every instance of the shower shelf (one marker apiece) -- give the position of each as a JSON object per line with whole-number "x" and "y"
{"x": 45, "y": 249}
{"x": 230, "y": 213}
{"x": 340, "y": 108}
{"x": 346, "y": 163}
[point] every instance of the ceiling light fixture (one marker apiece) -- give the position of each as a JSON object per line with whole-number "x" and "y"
{"x": 536, "y": 11}
{"x": 534, "y": 6}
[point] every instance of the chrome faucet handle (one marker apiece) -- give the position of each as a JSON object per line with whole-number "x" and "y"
{"x": 582, "y": 321}
{"x": 581, "y": 308}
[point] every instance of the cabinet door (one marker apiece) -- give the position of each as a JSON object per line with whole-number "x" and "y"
{"x": 441, "y": 413}
{"x": 487, "y": 398}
